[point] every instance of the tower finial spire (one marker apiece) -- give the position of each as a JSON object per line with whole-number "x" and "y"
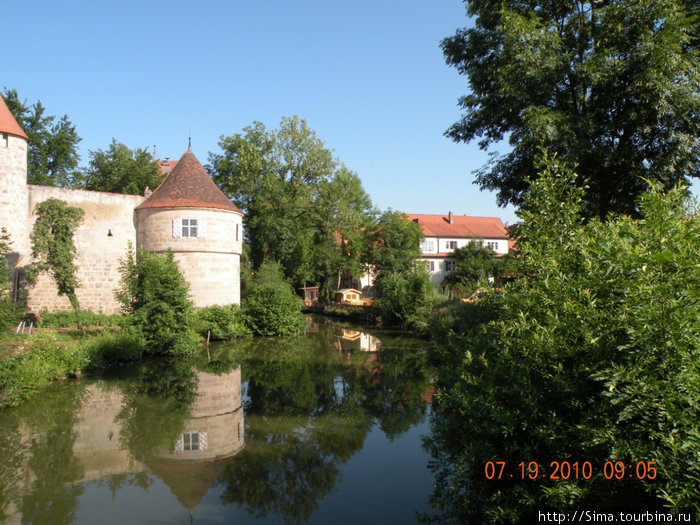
{"x": 189, "y": 143}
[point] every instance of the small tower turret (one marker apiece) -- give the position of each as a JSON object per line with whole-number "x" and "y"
{"x": 190, "y": 215}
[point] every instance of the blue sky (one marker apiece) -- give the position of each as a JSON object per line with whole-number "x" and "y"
{"x": 368, "y": 77}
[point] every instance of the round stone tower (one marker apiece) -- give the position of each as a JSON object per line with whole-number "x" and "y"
{"x": 14, "y": 195}
{"x": 190, "y": 215}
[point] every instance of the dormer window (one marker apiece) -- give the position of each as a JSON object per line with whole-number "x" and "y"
{"x": 5, "y": 140}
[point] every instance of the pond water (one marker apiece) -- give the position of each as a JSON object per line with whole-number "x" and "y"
{"x": 321, "y": 428}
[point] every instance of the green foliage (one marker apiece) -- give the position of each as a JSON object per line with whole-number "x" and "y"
{"x": 610, "y": 86}
{"x": 66, "y": 319}
{"x": 474, "y": 265}
{"x": 396, "y": 243}
{"x": 153, "y": 294}
{"x": 404, "y": 299}
{"x": 122, "y": 170}
{"x": 9, "y": 314}
{"x": 403, "y": 289}
{"x": 52, "y": 153}
{"x": 44, "y": 360}
{"x": 270, "y": 305}
{"x": 595, "y": 356}
{"x": 53, "y": 248}
{"x": 221, "y": 322}
{"x": 302, "y": 208}
{"x": 113, "y": 347}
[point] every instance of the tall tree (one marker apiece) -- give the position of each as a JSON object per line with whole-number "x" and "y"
{"x": 122, "y": 170}
{"x": 396, "y": 243}
{"x": 610, "y": 86}
{"x": 52, "y": 155}
{"x": 53, "y": 247}
{"x": 296, "y": 197}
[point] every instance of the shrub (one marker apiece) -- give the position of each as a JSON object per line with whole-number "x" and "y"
{"x": 66, "y": 319}
{"x": 270, "y": 305}
{"x": 44, "y": 360}
{"x": 594, "y": 356}
{"x": 153, "y": 293}
{"x": 110, "y": 348}
{"x": 221, "y": 322}
{"x": 404, "y": 299}
{"x": 9, "y": 314}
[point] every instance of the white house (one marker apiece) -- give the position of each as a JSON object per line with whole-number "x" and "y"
{"x": 445, "y": 233}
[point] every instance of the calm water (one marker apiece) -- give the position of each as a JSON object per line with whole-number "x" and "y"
{"x": 323, "y": 428}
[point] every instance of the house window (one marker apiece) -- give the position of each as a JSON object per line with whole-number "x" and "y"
{"x": 493, "y": 245}
{"x": 189, "y": 227}
{"x": 5, "y": 140}
{"x": 428, "y": 245}
{"x": 430, "y": 266}
{"x": 450, "y": 266}
{"x": 451, "y": 245}
{"x": 237, "y": 233}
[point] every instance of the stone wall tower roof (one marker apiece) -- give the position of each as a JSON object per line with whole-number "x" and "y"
{"x": 8, "y": 124}
{"x": 188, "y": 186}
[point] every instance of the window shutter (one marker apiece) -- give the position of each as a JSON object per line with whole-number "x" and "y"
{"x": 177, "y": 228}
{"x": 201, "y": 229}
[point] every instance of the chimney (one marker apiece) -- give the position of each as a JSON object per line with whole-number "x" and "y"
{"x": 449, "y": 217}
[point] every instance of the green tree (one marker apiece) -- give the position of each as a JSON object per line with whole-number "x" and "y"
{"x": 53, "y": 248}
{"x": 609, "y": 86}
{"x": 594, "y": 355}
{"x": 122, "y": 170}
{"x": 403, "y": 287}
{"x": 474, "y": 264}
{"x": 396, "y": 243}
{"x": 296, "y": 198}
{"x": 52, "y": 153}
{"x": 153, "y": 293}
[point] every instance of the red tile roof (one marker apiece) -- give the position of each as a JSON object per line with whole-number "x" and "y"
{"x": 8, "y": 124}
{"x": 462, "y": 226}
{"x": 166, "y": 166}
{"x": 188, "y": 186}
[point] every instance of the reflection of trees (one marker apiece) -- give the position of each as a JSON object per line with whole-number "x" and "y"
{"x": 157, "y": 398}
{"x": 501, "y": 417}
{"x": 37, "y": 467}
{"x": 308, "y": 411}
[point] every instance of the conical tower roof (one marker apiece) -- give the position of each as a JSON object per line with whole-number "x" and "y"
{"x": 8, "y": 124}
{"x": 188, "y": 186}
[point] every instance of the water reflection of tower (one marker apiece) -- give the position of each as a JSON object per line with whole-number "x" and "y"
{"x": 212, "y": 436}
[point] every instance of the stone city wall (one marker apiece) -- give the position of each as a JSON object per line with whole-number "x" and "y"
{"x": 99, "y": 253}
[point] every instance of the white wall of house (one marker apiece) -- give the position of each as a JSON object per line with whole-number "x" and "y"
{"x": 435, "y": 245}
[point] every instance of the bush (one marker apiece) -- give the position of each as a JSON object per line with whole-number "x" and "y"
{"x": 44, "y": 360}
{"x": 66, "y": 319}
{"x": 110, "y": 348}
{"x": 270, "y": 305}
{"x": 595, "y": 357}
{"x": 153, "y": 293}
{"x": 221, "y": 322}
{"x": 404, "y": 299}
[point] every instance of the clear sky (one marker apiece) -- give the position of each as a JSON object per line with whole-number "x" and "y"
{"x": 368, "y": 76}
